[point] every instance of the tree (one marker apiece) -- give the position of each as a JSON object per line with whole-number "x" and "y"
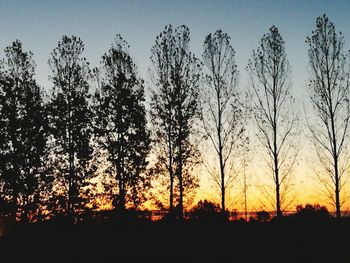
{"x": 121, "y": 123}
{"x": 23, "y": 131}
{"x": 329, "y": 93}
{"x": 205, "y": 210}
{"x": 174, "y": 107}
{"x": 222, "y": 110}
{"x": 312, "y": 212}
{"x": 70, "y": 117}
{"x": 246, "y": 183}
{"x": 262, "y": 216}
{"x": 272, "y": 106}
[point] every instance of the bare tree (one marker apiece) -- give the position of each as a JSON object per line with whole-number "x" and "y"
{"x": 273, "y": 105}
{"x": 222, "y": 110}
{"x": 174, "y": 106}
{"x": 329, "y": 94}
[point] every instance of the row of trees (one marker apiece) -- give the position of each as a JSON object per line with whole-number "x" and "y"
{"x": 95, "y": 121}
{"x": 50, "y": 145}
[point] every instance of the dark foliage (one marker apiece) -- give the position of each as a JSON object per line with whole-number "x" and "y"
{"x": 140, "y": 241}
{"x": 23, "y": 133}
{"x": 263, "y": 216}
{"x": 312, "y": 213}
{"x": 174, "y": 109}
{"x": 207, "y": 211}
{"x": 120, "y": 124}
{"x": 70, "y": 121}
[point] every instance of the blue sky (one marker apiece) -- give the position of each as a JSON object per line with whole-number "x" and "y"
{"x": 40, "y": 24}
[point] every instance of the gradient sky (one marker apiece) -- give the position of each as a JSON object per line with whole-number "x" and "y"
{"x": 40, "y": 24}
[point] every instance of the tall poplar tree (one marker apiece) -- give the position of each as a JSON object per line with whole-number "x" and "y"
{"x": 70, "y": 116}
{"x": 23, "y": 131}
{"x": 121, "y": 123}
{"x": 329, "y": 94}
{"x": 274, "y": 110}
{"x": 175, "y": 107}
{"x": 222, "y": 108}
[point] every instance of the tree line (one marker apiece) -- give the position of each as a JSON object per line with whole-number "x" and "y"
{"x": 96, "y": 120}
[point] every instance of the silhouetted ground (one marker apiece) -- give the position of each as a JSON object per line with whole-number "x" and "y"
{"x": 287, "y": 241}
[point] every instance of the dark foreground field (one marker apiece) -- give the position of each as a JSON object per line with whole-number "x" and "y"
{"x": 178, "y": 242}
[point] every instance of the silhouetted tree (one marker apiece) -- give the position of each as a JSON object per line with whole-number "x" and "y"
{"x": 121, "y": 123}
{"x": 5, "y": 207}
{"x": 206, "y": 210}
{"x": 262, "y": 216}
{"x": 329, "y": 94}
{"x": 174, "y": 107}
{"x": 70, "y": 117}
{"x": 312, "y": 212}
{"x": 222, "y": 109}
{"x": 273, "y": 108}
{"x": 23, "y": 130}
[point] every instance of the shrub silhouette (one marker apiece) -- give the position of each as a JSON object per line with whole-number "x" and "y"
{"x": 5, "y": 207}
{"x": 314, "y": 212}
{"x": 206, "y": 210}
{"x": 262, "y": 216}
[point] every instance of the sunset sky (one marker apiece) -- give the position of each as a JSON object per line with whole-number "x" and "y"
{"x": 40, "y": 24}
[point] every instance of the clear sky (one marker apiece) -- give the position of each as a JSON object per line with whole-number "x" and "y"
{"x": 40, "y": 24}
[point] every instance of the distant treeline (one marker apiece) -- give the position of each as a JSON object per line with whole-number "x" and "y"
{"x": 89, "y": 140}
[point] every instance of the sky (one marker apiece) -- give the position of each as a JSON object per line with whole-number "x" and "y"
{"x": 40, "y": 24}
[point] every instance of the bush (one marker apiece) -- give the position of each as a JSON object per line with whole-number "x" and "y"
{"x": 262, "y": 216}
{"x": 312, "y": 212}
{"x": 206, "y": 210}
{"x": 5, "y": 207}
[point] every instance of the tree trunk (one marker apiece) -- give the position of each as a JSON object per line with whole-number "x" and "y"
{"x": 14, "y": 205}
{"x": 336, "y": 172}
{"x": 171, "y": 197}
{"x": 71, "y": 163}
{"x": 337, "y": 198}
{"x": 223, "y": 208}
{"x": 275, "y": 148}
{"x": 245, "y": 194}
{"x": 278, "y": 200}
{"x": 334, "y": 144}
{"x": 220, "y": 152}
{"x": 277, "y": 182}
{"x": 180, "y": 163}
{"x": 70, "y": 183}
{"x": 181, "y": 189}
{"x": 120, "y": 207}
{"x": 170, "y": 169}
{"x": 179, "y": 168}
